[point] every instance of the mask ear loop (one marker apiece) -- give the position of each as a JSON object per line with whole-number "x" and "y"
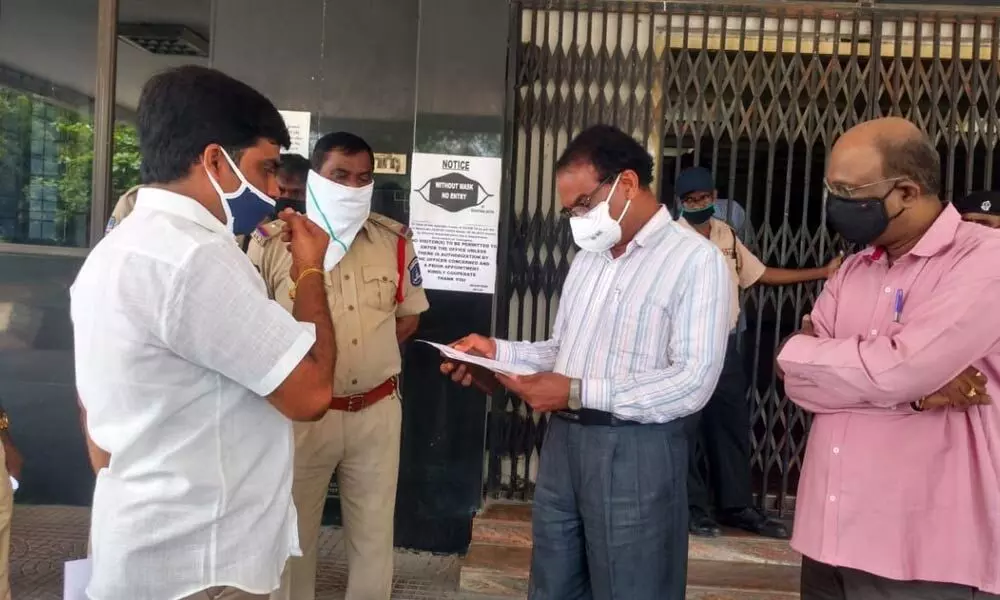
{"x": 611, "y": 194}
{"x": 902, "y": 209}
{"x": 486, "y": 197}
{"x": 215, "y": 184}
{"x": 222, "y": 195}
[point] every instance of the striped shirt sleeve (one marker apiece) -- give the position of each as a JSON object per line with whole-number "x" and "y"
{"x": 699, "y": 329}
{"x": 540, "y": 356}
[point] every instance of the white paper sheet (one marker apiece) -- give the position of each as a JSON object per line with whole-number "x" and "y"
{"x": 298, "y": 123}
{"x": 76, "y": 576}
{"x": 492, "y": 365}
{"x": 455, "y": 218}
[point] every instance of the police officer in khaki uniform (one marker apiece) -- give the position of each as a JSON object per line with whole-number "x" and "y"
{"x": 375, "y": 299}
{"x": 724, "y": 423}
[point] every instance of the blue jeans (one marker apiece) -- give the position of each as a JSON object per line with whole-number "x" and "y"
{"x": 610, "y": 513}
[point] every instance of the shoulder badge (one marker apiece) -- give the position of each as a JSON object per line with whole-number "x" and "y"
{"x": 416, "y": 279}
{"x": 262, "y": 234}
{"x": 390, "y": 225}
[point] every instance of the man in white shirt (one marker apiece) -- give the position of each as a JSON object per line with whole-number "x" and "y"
{"x": 187, "y": 372}
{"x": 638, "y": 344}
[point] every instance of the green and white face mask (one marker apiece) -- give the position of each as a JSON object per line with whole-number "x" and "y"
{"x": 339, "y": 210}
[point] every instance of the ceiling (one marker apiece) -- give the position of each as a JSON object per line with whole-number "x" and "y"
{"x": 56, "y": 40}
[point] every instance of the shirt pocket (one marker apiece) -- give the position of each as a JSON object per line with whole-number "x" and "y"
{"x": 379, "y": 289}
{"x": 642, "y": 330}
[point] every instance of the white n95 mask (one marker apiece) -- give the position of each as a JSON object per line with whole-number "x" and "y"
{"x": 596, "y": 231}
{"x": 339, "y": 210}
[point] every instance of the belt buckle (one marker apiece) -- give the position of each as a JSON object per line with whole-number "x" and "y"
{"x": 359, "y": 398}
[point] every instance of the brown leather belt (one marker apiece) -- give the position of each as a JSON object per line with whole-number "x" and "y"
{"x": 359, "y": 402}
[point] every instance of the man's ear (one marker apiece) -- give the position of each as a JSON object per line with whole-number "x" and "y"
{"x": 911, "y": 191}
{"x": 212, "y": 160}
{"x": 628, "y": 181}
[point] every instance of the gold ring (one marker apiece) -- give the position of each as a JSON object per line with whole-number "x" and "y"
{"x": 972, "y": 393}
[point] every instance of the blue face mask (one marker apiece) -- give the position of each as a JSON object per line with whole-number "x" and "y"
{"x": 246, "y": 207}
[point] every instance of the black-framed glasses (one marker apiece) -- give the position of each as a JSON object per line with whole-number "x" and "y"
{"x": 584, "y": 204}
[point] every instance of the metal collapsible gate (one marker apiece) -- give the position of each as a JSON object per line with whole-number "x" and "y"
{"x": 758, "y": 93}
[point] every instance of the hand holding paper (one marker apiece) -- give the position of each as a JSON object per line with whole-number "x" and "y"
{"x": 471, "y": 360}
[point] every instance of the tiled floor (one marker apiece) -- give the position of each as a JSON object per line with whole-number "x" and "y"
{"x": 43, "y": 537}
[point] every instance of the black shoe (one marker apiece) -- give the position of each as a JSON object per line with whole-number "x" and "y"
{"x": 754, "y": 521}
{"x": 702, "y": 525}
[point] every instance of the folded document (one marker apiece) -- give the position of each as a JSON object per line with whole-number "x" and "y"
{"x": 486, "y": 363}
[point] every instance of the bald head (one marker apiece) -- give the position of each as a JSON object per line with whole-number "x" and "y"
{"x": 883, "y": 180}
{"x": 890, "y": 148}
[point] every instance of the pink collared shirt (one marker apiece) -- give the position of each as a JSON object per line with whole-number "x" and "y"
{"x": 885, "y": 489}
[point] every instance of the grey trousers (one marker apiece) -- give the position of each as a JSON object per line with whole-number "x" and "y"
{"x": 824, "y": 582}
{"x": 610, "y": 513}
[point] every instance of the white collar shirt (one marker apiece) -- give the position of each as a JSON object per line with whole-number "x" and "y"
{"x": 176, "y": 346}
{"x": 645, "y": 332}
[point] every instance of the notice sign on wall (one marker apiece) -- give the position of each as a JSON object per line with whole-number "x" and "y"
{"x": 297, "y": 122}
{"x": 455, "y": 218}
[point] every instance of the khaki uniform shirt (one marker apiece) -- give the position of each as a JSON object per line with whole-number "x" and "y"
{"x": 744, "y": 268}
{"x": 361, "y": 291}
{"x": 125, "y": 206}
{"x": 122, "y": 209}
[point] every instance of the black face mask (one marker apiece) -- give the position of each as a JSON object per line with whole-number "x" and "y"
{"x": 697, "y": 217}
{"x": 860, "y": 221}
{"x": 454, "y": 192}
{"x": 282, "y": 203}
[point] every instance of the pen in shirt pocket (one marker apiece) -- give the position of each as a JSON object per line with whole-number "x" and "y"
{"x": 898, "y": 312}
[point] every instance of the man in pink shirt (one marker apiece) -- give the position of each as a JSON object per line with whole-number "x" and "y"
{"x": 900, "y": 490}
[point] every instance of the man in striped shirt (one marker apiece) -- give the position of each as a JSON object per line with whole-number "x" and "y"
{"x": 638, "y": 343}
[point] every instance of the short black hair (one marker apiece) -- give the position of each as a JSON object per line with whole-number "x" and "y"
{"x": 183, "y": 110}
{"x": 914, "y": 158}
{"x": 345, "y": 142}
{"x": 611, "y": 151}
{"x": 294, "y": 166}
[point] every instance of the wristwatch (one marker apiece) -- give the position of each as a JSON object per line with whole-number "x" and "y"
{"x": 575, "y": 396}
{"x": 4, "y": 421}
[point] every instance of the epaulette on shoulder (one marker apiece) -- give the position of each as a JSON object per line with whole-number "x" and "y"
{"x": 393, "y": 227}
{"x": 131, "y": 194}
{"x": 263, "y": 234}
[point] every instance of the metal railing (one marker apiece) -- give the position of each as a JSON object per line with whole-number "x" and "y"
{"x": 758, "y": 93}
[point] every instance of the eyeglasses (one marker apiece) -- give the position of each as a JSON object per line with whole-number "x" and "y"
{"x": 583, "y": 204}
{"x": 697, "y": 198}
{"x": 848, "y": 191}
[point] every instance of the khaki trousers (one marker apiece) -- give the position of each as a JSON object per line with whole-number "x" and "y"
{"x": 6, "y": 512}
{"x": 363, "y": 448}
